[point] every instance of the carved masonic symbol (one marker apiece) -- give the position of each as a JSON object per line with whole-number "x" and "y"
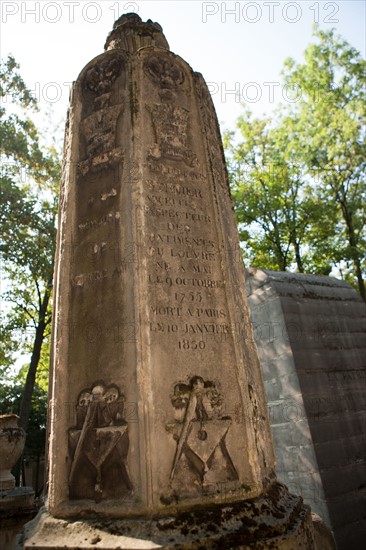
{"x": 171, "y": 132}
{"x": 200, "y": 431}
{"x": 98, "y": 129}
{"x": 99, "y": 445}
{"x": 171, "y": 122}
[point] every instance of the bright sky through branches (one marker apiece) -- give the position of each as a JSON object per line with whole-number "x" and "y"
{"x": 239, "y": 47}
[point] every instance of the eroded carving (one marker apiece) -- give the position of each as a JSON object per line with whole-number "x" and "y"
{"x": 131, "y": 33}
{"x": 200, "y": 429}
{"x": 170, "y": 125}
{"x": 99, "y": 128}
{"x": 100, "y": 78}
{"x": 165, "y": 73}
{"x": 99, "y": 445}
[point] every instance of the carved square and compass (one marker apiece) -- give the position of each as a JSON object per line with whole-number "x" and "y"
{"x": 99, "y": 445}
{"x": 200, "y": 431}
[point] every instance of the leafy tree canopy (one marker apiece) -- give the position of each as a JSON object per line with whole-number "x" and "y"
{"x": 29, "y": 184}
{"x": 298, "y": 178}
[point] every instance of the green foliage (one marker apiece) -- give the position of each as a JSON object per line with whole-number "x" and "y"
{"x": 332, "y": 122}
{"x": 298, "y": 179}
{"x": 272, "y": 196}
{"x": 29, "y": 191}
{"x": 18, "y": 134}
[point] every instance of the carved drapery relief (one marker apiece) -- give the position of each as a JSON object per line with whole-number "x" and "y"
{"x": 99, "y": 445}
{"x": 170, "y": 122}
{"x": 170, "y": 125}
{"x": 200, "y": 429}
{"x": 99, "y": 128}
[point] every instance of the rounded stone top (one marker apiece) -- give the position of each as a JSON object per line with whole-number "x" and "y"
{"x": 131, "y": 33}
{"x": 8, "y": 421}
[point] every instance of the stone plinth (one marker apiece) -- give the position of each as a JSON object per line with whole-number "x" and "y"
{"x": 277, "y": 520}
{"x": 16, "y": 502}
{"x": 311, "y": 337}
{"x": 16, "y": 508}
{"x": 158, "y": 420}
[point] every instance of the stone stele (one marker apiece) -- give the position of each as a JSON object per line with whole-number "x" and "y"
{"x": 159, "y": 435}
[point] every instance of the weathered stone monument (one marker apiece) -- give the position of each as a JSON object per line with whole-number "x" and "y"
{"x": 159, "y": 434}
{"x": 311, "y": 337}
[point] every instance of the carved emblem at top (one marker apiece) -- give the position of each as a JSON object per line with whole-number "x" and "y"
{"x": 99, "y": 127}
{"x": 164, "y": 72}
{"x": 100, "y": 78}
{"x": 171, "y": 126}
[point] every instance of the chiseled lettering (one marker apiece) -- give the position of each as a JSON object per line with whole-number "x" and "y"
{"x": 161, "y": 212}
{"x": 185, "y": 240}
{"x": 185, "y": 281}
{"x": 174, "y": 188}
{"x": 111, "y": 217}
{"x": 158, "y": 200}
{"x": 209, "y": 328}
{"x": 195, "y": 217}
{"x": 205, "y": 269}
{"x": 210, "y": 312}
{"x": 176, "y": 173}
{"x": 166, "y": 310}
{"x": 193, "y": 255}
{"x": 89, "y": 278}
{"x": 163, "y": 265}
{"x": 206, "y": 312}
{"x": 201, "y": 283}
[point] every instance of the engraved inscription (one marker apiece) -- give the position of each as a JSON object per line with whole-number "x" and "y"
{"x": 183, "y": 258}
{"x": 89, "y": 278}
{"x": 99, "y": 445}
{"x": 110, "y": 218}
{"x": 176, "y": 173}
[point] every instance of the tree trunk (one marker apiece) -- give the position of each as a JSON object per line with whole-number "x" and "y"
{"x": 300, "y": 266}
{"x": 280, "y": 255}
{"x": 26, "y": 403}
{"x": 347, "y": 215}
{"x": 360, "y": 281}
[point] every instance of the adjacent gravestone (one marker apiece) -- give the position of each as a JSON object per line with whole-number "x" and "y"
{"x": 311, "y": 338}
{"x": 16, "y": 503}
{"x": 158, "y": 416}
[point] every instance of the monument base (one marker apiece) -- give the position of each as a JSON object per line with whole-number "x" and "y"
{"x": 17, "y": 501}
{"x": 16, "y": 508}
{"x": 277, "y": 520}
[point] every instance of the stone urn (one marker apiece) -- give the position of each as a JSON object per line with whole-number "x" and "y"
{"x": 12, "y": 439}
